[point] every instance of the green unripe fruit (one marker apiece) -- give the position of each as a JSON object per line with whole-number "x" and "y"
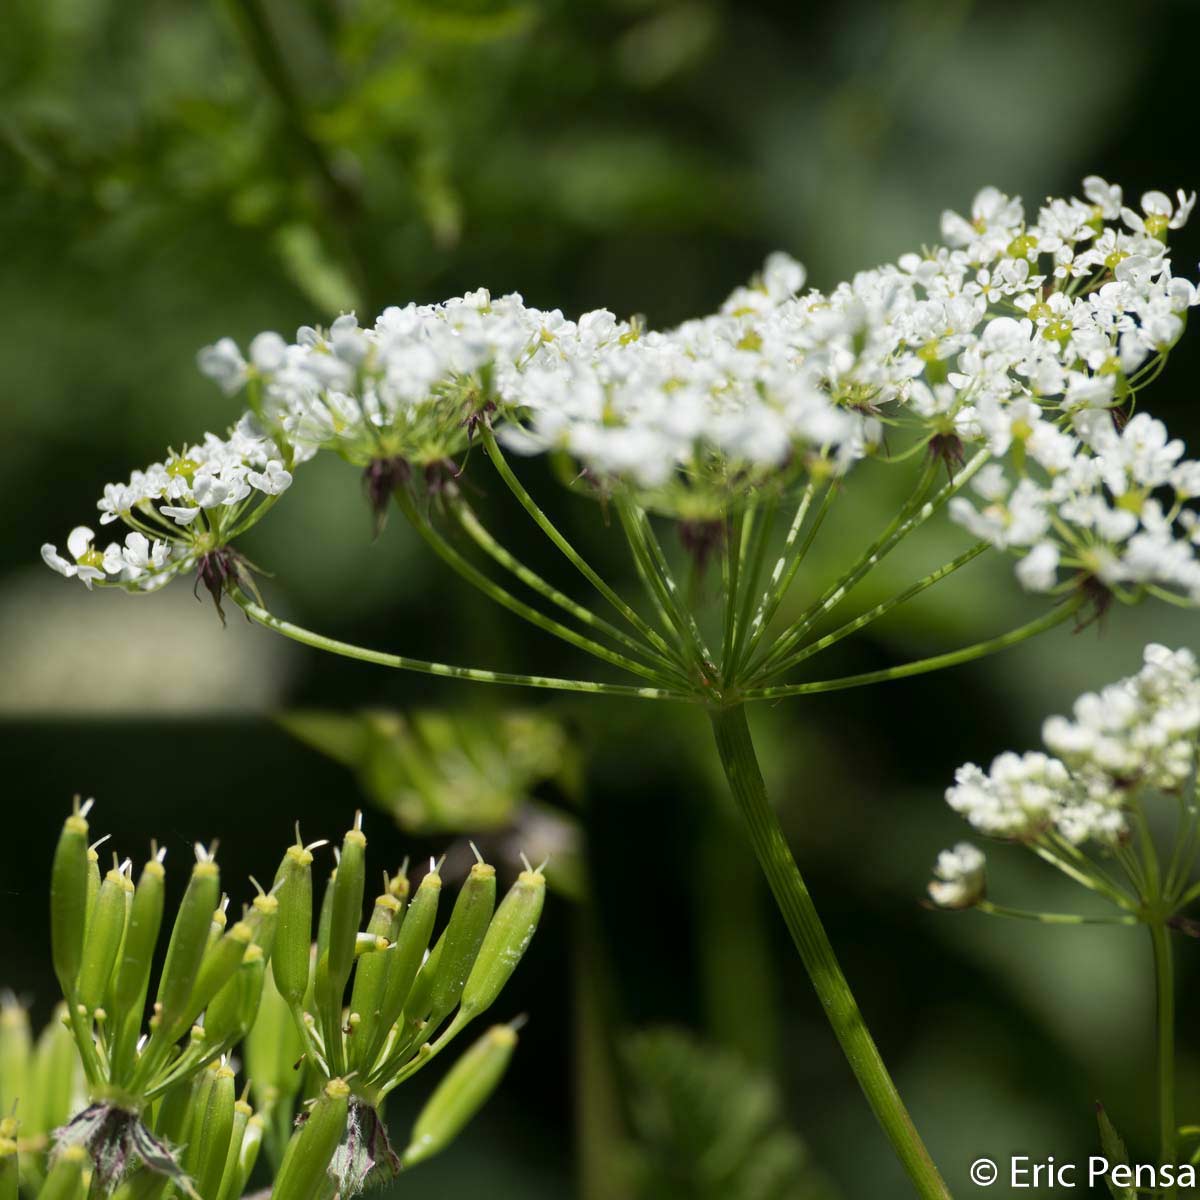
{"x": 463, "y": 938}
{"x": 10, "y": 1171}
{"x": 69, "y": 901}
{"x": 104, "y": 937}
{"x": 405, "y": 957}
{"x": 304, "y": 1170}
{"x": 505, "y": 943}
{"x": 65, "y": 1180}
{"x": 273, "y": 1048}
{"x": 370, "y": 978}
{"x": 212, "y": 1127}
{"x": 461, "y": 1094}
{"x": 293, "y": 930}
{"x": 16, "y": 1052}
{"x": 185, "y": 951}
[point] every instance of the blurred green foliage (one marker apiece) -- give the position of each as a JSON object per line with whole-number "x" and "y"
{"x": 171, "y": 172}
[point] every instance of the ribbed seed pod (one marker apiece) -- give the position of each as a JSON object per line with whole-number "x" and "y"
{"x": 68, "y": 901}
{"x": 65, "y": 1180}
{"x": 346, "y": 912}
{"x": 293, "y": 931}
{"x": 325, "y": 918}
{"x": 370, "y": 978}
{"x": 212, "y": 1127}
{"x": 419, "y": 1003}
{"x": 252, "y": 1141}
{"x": 132, "y": 979}
{"x": 216, "y": 969}
{"x": 93, "y": 886}
{"x": 173, "y": 1114}
{"x": 505, "y": 943}
{"x": 16, "y": 1057}
{"x": 56, "y": 1076}
{"x": 104, "y": 937}
{"x": 232, "y": 1011}
{"x": 305, "y": 1166}
{"x": 461, "y": 1094}
{"x": 406, "y": 955}
{"x": 189, "y": 937}
{"x": 464, "y": 936}
{"x": 230, "y": 1188}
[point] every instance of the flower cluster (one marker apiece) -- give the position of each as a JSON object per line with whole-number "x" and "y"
{"x": 1139, "y": 733}
{"x": 180, "y": 512}
{"x": 960, "y": 877}
{"x": 1024, "y": 341}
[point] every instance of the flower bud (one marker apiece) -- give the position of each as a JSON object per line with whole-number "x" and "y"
{"x": 293, "y": 931}
{"x": 189, "y": 938}
{"x": 464, "y": 935}
{"x": 104, "y": 936}
{"x": 68, "y": 900}
{"x": 65, "y": 1179}
{"x": 461, "y": 1094}
{"x": 507, "y": 938}
{"x": 405, "y": 957}
{"x": 303, "y": 1172}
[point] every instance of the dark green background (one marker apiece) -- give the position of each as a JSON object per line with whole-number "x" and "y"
{"x": 160, "y": 187}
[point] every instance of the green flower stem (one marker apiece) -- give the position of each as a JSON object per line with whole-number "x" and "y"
{"x": 1164, "y": 984}
{"x": 754, "y": 552}
{"x": 399, "y": 662}
{"x": 643, "y": 541}
{"x": 505, "y": 599}
{"x": 789, "y": 560}
{"x": 731, "y": 565}
{"x": 655, "y": 589}
{"x": 1084, "y": 878}
{"x": 543, "y": 522}
{"x": 795, "y": 904}
{"x": 873, "y": 614}
{"x": 479, "y": 534}
{"x": 1052, "y": 918}
{"x": 912, "y": 516}
{"x": 1056, "y": 616}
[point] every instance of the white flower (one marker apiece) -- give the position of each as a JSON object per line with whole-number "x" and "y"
{"x": 1038, "y": 570}
{"x": 960, "y": 877}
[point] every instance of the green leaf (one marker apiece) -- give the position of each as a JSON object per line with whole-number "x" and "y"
{"x": 708, "y": 1126}
{"x": 1114, "y": 1149}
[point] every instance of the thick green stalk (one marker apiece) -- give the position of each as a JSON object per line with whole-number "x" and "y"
{"x": 1164, "y": 983}
{"x": 795, "y": 904}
